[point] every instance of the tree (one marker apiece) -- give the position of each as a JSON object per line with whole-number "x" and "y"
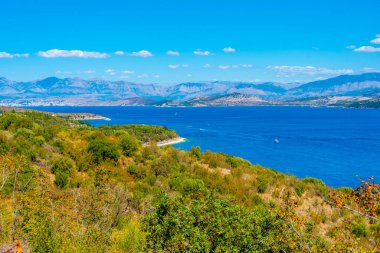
{"x": 129, "y": 145}
{"x": 102, "y": 151}
{"x": 62, "y": 168}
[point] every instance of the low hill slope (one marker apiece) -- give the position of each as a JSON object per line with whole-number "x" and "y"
{"x": 69, "y": 187}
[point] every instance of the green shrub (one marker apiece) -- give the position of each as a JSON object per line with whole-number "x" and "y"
{"x": 313, "y": 181}
{"x": 262, "y": 184}
{"x": 196, "y": 152}
{"x": 102, "y": 151}
{"x": 300, "y": 189}
{"x": 129, "y": 145}
{"x": 360, "y": 230}
{"x": 62, "y": 169}
{"x": 13, "y": 121}
{"x": 4, "y": 147}
{"x": 192, "y": 186}
{"x": 60, "y": 144}
{"x": 132, "y": 169}
{"x": 207, "y": 224}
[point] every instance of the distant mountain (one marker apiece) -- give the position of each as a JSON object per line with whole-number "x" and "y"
{"x": 345, "y": 85}
{"x": 76, "y": 91}
{"x": 234, "y": 99}
{"x": 186, "y": 91}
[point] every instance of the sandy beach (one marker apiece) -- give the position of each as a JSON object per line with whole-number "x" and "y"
{"x": 171, "y": 141}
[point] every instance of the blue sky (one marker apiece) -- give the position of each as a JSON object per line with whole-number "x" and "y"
{"x": 171, "y": 41}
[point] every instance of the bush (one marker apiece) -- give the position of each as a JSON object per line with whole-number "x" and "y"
{"x": 3, "y": 148}
{"x": 359, "y": 230}
{"x": 133, "y": 169}
{"x": 13, "y": 121}
{"x": 102, "y": 151}
{"x": 207, "y": 224}
{"x": 300, "y": 189}
{"x": 196, "y": 152}
{"x": 129, "y": 145}
{"x": 262, "y": 184}
{"x": 62, "y": 169}
{"x": 192, "y": 186}
{"x": 313, "y": 181}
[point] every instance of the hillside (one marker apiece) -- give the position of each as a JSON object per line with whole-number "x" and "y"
{"x": 69, "y": 187}
{"x": 75, "y": 91}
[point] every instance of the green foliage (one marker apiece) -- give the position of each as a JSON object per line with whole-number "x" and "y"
{"x": 262, "y": 184}
{"x": 130, "y": 238}
{"x": 4, "y": 146}
{"x": 300, "y": 189}
{"x": 207, "y": 225}
{"x": 129, "y": 145}
{"x": 13, "y": 121}
{"x": 133, "y": 169}
{"x": 144, "y": 133}
{"x": 313, "y": 181}
{"x": 62, "y": 168}
{"x": 60, "y": 144}
{"x": 196, "y": 152}
{"x": 193, "y": 186}
{"x": 112, "y": 204}
{"x": 359, "y": 229}
{"x": 102, "y": 151}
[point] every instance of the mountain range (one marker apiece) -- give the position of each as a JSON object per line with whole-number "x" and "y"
{"x": 340, "y": 90}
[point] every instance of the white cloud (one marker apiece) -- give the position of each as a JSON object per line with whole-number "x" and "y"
{"x": 207, "y": 66}
{"x": 128, "y": 72}
{"x": 367, "y": 49}
{"x": 201, "y": 52}
{"x": 173, "y": 53}
{"x": 368, "y": 69}
{"x": 223, "y": 67}
{"x": 143, "y": 76}
{"x": 173, "y": 66}
{"x": 8, "y": 55}
{"x": 90, "y": 71}
{"x": 64, "y": 72}
{"x": 176, "y": 66}
{"x": 5, "y": 55}
{"x": 189, "y": 75}
{"x": 111, "y": 72}
{"x": 351, "y": 47}
{"x": 156, "y": 76}
{"x": 376, "y": 40}
{"x": 21, "y": 55}
{"x": 124, "y": 77}
{"x": 142, "y": 53}
{"x": 308, "y": 70}
{"x": 119, "y": 53}
{"x": 55, "y": 53}
{"x": 229, "y": 50}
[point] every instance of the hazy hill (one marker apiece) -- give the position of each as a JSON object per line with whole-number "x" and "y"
{"x": 345, "y": 85}
{"x": 76, "y": 91}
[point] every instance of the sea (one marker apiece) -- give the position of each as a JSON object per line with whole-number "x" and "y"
{"x": 337, "y": 145}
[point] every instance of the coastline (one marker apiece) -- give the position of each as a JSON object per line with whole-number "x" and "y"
{"x": 81, "y": 116}
{"x": 171, "y": 141}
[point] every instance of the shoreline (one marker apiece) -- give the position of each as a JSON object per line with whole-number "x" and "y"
{"x": 171, "y": 141}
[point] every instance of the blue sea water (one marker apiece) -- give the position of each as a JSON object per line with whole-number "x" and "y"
{"x": 333, "y": 144}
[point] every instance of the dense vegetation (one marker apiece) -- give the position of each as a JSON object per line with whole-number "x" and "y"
{"x": 69, "y": 187}
{"x": 374, "y": 103}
